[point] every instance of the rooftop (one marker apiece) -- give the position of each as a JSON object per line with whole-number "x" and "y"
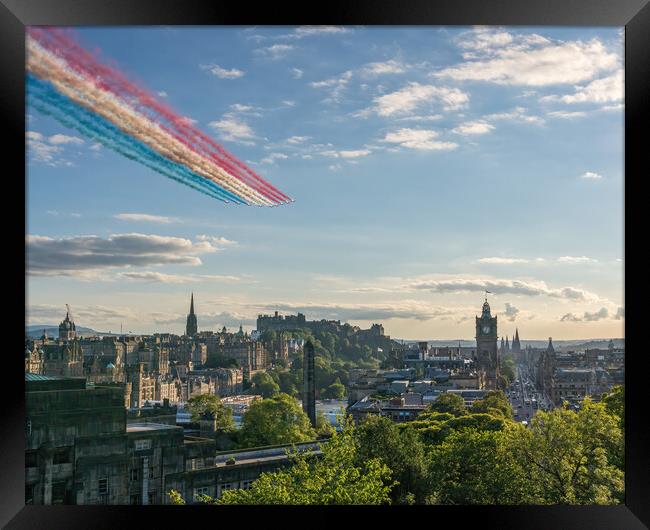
{"x": 148, "y": 427}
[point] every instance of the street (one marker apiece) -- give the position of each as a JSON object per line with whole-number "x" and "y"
{"x": 524, "y": 397}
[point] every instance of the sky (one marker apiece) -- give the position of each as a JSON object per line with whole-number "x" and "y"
{"x": 426, "y": 164}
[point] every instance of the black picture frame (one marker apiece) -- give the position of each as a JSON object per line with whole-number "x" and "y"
{"x": 633, "y": 14}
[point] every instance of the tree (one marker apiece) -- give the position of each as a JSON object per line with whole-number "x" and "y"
{"x": 448, "y": 402}
{"x": 615, "y": 403}
{"x": 575, "y": 457}
{"x": 476, "y": 467}
{"x": 274, "y": 421}
{"x": 402, "y": 452}
{"x": 264, "y": 384}
{"x": 336, "y": 477}
{"x": 494, "y": 402}
{"x": 508, "y": 370}
{"x": 324, "y": 429}
{"x": 335, "y": 391}
{"x": 209, "y": 407}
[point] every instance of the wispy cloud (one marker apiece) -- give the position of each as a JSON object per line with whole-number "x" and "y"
{"x": 276, "y": 51}
{"x": 473, "y": 128}
{"x": 222, "y": 73}
{"x": 527, "y": 59}
{"x": 591, "y": 175}
{"x": 162, "y": 219}
{"x": 232, "y": 128}
{"x": 413, "y": 95}
{"x": 420, "y": 139}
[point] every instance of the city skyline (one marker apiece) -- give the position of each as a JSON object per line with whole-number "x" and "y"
{"x": 419, "y": 183}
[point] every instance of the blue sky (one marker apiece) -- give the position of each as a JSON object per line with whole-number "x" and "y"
{"x": 426, "y": 165}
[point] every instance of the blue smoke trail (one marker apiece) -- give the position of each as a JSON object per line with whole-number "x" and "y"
{"x": 48, "y": 100}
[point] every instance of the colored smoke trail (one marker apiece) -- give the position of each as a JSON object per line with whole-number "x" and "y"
{"x": 100, "y": 102}
{"x": 50, "y": 102}
{"x": 113, "y": 80}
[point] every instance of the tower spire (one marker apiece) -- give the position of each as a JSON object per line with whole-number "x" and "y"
{"x": 192, "y": 304}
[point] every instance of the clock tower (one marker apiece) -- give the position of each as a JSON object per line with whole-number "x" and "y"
{"x": 487, "y": 355}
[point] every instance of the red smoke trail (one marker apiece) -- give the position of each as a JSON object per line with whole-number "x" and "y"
{"x": 58, "y": 41}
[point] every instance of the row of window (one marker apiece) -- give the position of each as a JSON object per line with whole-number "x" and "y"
{"x": 206, "y": 490}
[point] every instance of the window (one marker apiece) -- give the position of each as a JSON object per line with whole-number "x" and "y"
{"x": 247, "y": 484}
{"x": 133, "y": 474}
{"x": 152, "y": 497}
{"x": 200, "y": 491}
{"x": 151, "y": 472}
{"x": 58, "y": 492}
{"x": 29, "y": 494}
{"x": 102, "y": 487}
{"x": 135, "y": 499}
{"x": 62, "y": 455}
{"x": 31, "y": 458}
{"x": 140, "y": 445}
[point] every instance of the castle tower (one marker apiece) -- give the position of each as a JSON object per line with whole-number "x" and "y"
{"x": 309, "y": 383}
{"x": 486, "y": 347}
{"x": 191, "y": 327}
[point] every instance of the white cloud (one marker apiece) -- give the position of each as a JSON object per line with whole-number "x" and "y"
{"x": 564, "y": 115}
{"x": 388, "y": 67}
{"x": 421, "y": 139}
{"x": 347, "y": 154}
{"x": 429, "y": 117}
{"x": 502, "y": 261}
{"x": 162, "y": 94}
{"x": 533, "y": 62}
{"x": 296, "y": 73}
{"x": 295, "y": 140}
{"x": 222, "y": 73}
{"x": 276, "y": 51}
{"x": 59, "y": 139}
{"x": 234, "y": 129}
{"x": 408, "y": 98}
{"x": 273, "y": 157}
{"x": 309, "y": 31}
{"x": 517, "y": 114}
{"x": 605, "y": 90}
{"x": 591, "y": 175}
{"x": 576, "y": 259}
{"x": 473, "y": 128}
{"x": 145, "y": 217}
{"x": 336, "y": 85}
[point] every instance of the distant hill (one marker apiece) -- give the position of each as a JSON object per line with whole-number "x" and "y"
{"x": 35, "y": 331}
{"x": 563, "y": 345}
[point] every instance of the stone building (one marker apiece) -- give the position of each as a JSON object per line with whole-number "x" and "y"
{"x": 74, "y": 442}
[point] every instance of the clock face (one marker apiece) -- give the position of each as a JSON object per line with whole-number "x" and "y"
{"x": 486, "y": 329}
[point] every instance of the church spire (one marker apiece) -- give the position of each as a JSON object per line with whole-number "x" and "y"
{"x": 191, "y": 328}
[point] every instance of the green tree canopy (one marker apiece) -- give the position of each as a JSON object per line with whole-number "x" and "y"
{"x": 335, "y": 391}
{"x": 264, "y": 384}
{"x": 615, "y": 403}
{"x": 209, "y": 407}
{"x": 448, "y": 402}
{"x": 574, "y": 455}
{"x": 336, "y": 477}
{"x": 494, "y": 402}
{"x": 274, "y": 421}
{"x": 403, "y": 453}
